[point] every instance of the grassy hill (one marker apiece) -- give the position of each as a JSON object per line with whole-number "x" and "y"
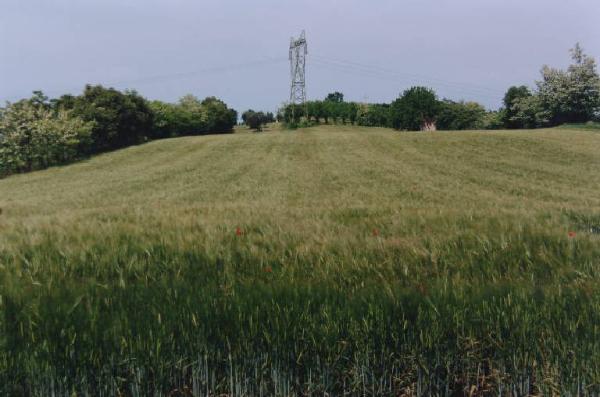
{"x": 325, "y": 259}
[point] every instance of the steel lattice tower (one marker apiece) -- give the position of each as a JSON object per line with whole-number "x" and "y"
{"x": 298, "y": 52}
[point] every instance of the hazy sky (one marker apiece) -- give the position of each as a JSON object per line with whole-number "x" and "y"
{"x": 237, "y": 49}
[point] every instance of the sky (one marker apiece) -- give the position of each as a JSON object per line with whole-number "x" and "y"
{"x": 237, "y": 50}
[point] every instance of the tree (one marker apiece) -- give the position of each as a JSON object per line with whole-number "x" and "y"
{"x": 220, "y": 118}
{"x": 573, "y": 95}
{"x": 416, "y": 107}
{"x": 119, "y": 119}
{"x": 493, "y": 120}
{"x": 170, "y": 120}
{"x": 460, "y": 115}
{"x": 336, "y": 97}
{"x": 349, "y": 112}
{"x": 528, "y": 112}
{"x": 292, "y": 114}
{"x": 255, "y": 120}
{"x": 190, "y": 116}
{"x": 246, "y": 114}
{"x": 510, "y": 98}
{"x": 373, "y": 115}
{"x": 35, "y": 136}
{"x": 314, "y": 110}
{"x": 193, "y": 116}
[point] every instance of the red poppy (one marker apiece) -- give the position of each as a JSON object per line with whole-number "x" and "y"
{"x": 238, "y": 231}
{"x": 375, "y": 232}
{"x": 268, "y": 269}
{"x": 572, "y": 234}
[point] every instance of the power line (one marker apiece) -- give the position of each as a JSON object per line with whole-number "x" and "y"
{"x": 405, "y": 78}
{"x": 412, "y": 75}
{"x": 405, "y": 82}
{"x": 178, "y": 75}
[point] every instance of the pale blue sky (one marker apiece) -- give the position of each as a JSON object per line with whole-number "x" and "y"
{"x": 237, "y": 49}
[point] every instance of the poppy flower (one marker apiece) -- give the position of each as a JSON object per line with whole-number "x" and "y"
{"x": 238, "y": 231}
{"x": 268, "y": 269}
{"x": 572, "y": 234}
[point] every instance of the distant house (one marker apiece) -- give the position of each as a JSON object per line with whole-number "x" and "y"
{"x": 428, "y": 125}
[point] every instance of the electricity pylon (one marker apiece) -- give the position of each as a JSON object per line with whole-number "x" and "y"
{"x": 298, "y": 52}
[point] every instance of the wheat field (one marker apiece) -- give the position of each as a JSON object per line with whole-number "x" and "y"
{"x": 332, "y": 259}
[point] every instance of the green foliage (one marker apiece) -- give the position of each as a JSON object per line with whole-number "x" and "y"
{"x": 35, "y": 136}
{"x": 373, "y": 115}
{"x": 562, "y": 96}
{"x": 119, "y": 119}
{"x": 219, "y": 118}
{"x": 335, "y": 97}
{"x": 292, "y": 114}
{"x": 415, "y": 107}
{"x": 493, "y": 120}
{"x": 256, "y": 120}
{"x": 37, "y": 132}
{"x": 190, "y": 116}
{"x": 589, "y": 126}
{"x": 510, "y": 98}
{"x": 170, "y": 120}
{"x": 460, "y": 116}
{"x": 528, "y": 112}
{"x": 571, "y": 96}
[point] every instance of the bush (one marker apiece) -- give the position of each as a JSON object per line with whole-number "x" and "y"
{"x": 36, "y": 133}
{"x": 460, "y": 115}
{"x": 571, "y": 96}
{"x": 219, "y": 118}
{"x": 528, "y": 112}
{"x": 417, "y": 106}
{"x": 493, "y": 120}
{"x": 119, "y": 119}
{"x": 511, "y": 97}
{"x": 373, "y": 115}
{"x": 34, "y": 136}
{"x": 169, "y": 120}
{"x": 190, "y": 116}
{"x": 255, "y": 120}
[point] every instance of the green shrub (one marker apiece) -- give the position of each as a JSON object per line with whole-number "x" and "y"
{"x": 34, "y": 136}
{"x": 416, "y": 106}
{"x": 373, "y": 115}
{"x": 119, "y": 119}
{"x": 460, "y": 115}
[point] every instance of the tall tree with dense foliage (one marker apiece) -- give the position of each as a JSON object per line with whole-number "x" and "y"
{"x": 119, "y": 119}
{"x": 573, "y": 95}
{"x": 167, "y": 120}
{"x": 513, "y": 94}
{"x": 460, "y": 115}
{"x": 256, "y": 120}
{"x": 34, "y": 136}
{"x": 528, "y": 112}
{"x": 373, "y": 115}
{"x": 336, "y": 97}
{"x": 416, "y": 107}
{"x": 219, "y": 117}
{"x": 190, "y": 116}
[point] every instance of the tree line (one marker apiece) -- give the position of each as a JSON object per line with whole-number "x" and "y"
{"x": 561, "y": 96}
{"x": 417, "y": 108}
{"x": 36, "y": 133}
